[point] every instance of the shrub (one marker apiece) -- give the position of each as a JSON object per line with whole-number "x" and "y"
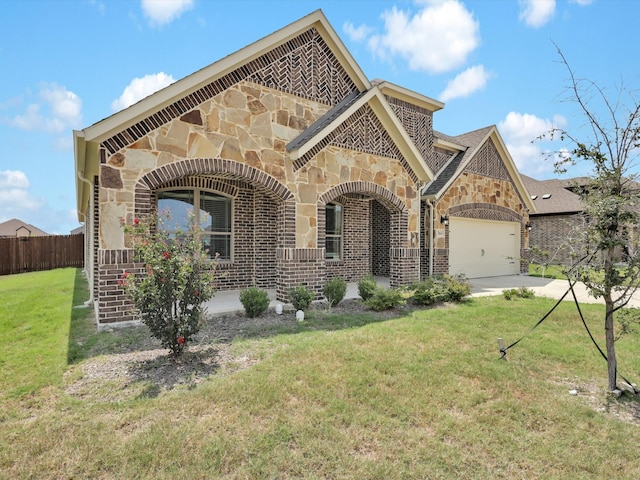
{"x": 334, "y": 290}
{"x": 458, "y": 287}
{"x": 520, "y": 292}
{"x": 177, "y": 279}
{"x": 438, "y": 289}
{"x": 429, "y": 292}
{"x": 301, "y": 297}
{"x": 254, "y": 301}
{"x": 367, "y": 287}
{"x": 386, "y": 299}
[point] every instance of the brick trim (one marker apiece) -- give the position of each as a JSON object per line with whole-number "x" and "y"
{"x": 230, "y": 169}
{"x": 391, "y": 201}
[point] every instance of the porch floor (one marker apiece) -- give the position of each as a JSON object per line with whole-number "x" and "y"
{"x": 228, "y": 301}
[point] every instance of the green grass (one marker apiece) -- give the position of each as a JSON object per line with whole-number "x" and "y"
{"x": 421, "y": 396}
{"x": 35, "y": 313}
{"x": 550, "y": 271}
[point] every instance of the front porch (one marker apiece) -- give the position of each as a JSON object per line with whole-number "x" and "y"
{"x": 228, "y": 301}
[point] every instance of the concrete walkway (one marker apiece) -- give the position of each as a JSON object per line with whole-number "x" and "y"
{"x": 228, "y": 302}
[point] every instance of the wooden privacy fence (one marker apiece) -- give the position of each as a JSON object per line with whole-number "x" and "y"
{"x": 29, "y": 254}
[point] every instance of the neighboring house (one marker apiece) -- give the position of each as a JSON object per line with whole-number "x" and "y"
{"x": 299, "y": 169}
{"x": 557, "y": 215}
{"x": 18, "y": 228}
{"x": 77, "y": 231}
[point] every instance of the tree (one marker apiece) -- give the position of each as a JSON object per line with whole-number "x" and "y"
{"x": 609, "y": 260}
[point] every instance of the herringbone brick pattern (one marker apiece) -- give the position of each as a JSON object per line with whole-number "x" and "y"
{"x": 418, "y": 122}
{"x": 304, "y": 66}
{"x": 487, "y": 162}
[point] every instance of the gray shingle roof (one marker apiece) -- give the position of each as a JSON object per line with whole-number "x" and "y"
{"x": 558, "y": 198}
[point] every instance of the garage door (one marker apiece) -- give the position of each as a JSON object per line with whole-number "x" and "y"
{"x": 482, "y": 248}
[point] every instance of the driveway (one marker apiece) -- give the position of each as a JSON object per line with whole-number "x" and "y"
{"x": 543, "y": 287}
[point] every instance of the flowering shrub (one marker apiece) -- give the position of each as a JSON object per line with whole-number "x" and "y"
{"x": 178, "y": 279}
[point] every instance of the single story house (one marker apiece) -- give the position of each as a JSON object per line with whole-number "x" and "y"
{"x": 18, "y": 228}
{"x": 555, "y": 219}
{"x": 299, "y": 169}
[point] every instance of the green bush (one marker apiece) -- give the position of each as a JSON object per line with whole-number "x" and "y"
{"x": 367, "y": 287}
{"x": 301, "y": 297}
{"x": 520, "y": 292}
{"x": 334, "y": 290}
{"x": 439, "y": 289}
{"x": 458, "y": 287}
{"x": 386, "y": 299}
{"x": 254, "y": 301}
{"x": 177, "y": 279}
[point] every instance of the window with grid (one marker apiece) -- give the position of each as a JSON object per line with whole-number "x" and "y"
{"x": 333, "y": 235}
{"x": 212, "y": 217}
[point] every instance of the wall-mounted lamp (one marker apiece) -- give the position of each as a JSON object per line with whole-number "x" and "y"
{"x": 528, "y": 226}
{"x": 444, "y": 219}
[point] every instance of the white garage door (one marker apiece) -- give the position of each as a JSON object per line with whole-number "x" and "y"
{"x": 483, "y": 248}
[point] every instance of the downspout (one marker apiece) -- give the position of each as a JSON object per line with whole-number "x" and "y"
{"x": 431, "y": 234}
{"x": 84, "y": 215}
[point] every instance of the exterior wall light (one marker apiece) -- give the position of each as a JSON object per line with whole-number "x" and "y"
{"x": 444, "y": 219}
{"x": 528, "y": 227}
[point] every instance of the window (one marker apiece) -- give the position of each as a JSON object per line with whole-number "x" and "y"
{"x": 333, "y": 247}
{"x": 213, "y": 216}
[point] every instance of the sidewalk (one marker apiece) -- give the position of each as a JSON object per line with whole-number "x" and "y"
{"x": 227, "y": 302}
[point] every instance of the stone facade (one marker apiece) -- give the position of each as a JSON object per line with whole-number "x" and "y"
{"x": 242, "y": 133}
{"x": 234, "y": 144}
{"x": 485, "y": 191}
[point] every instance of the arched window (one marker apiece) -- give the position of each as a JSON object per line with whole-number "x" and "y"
{"x": 333, "y": 234}
{"x": 213, "y": 216}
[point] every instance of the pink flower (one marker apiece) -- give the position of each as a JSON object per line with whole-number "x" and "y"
{"x": 196, "y": 293}
{"x": 136, "y": 221}
{"x": 181, "y": 340}
{"x": 166, "y": 255}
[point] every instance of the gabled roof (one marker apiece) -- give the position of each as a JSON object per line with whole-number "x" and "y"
{"x": 341, "y": 112}
{"x": 469, "y": 144}
{"x": 11, "y": 227}
{"x": 552, "y": 197}
{"x": 86, "y": 141}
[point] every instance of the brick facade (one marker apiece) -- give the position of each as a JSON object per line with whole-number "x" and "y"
{"x": 232, "y": 134}
{"x": 552, "y": 234}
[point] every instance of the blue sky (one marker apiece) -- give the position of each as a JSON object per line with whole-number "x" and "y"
{"x": 68, "y": 64}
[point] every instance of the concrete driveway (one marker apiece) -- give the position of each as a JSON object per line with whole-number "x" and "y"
{"x": 543, "y": 287}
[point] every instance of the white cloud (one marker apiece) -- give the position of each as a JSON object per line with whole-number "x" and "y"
{"x": 57, "y": 111}
{"x": 582, "y": 3}
{"x": 438, "y": 38}
{"x": 519, "y": 130}
{"x": 356, "y": 34}
{"x": 15, "y": 199}
{"x": 465, "y": 83}
{"x": 140, "y": 88}
{"x": 536, "y": 13}
{"x": 13, "y": 179}
{"x": 161, "y": 12}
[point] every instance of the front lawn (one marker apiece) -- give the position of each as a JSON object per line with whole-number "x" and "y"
{"x": 420, "y": 396}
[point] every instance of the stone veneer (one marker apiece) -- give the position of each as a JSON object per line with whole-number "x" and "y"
{"x": 474, "y": 196}
{"x": 238, "y": 139}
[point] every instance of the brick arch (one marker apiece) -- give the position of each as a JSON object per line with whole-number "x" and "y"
{"x": 228, "y": 169}
{"x": 389, "y": 199}
{"x": 485, "y": 211}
